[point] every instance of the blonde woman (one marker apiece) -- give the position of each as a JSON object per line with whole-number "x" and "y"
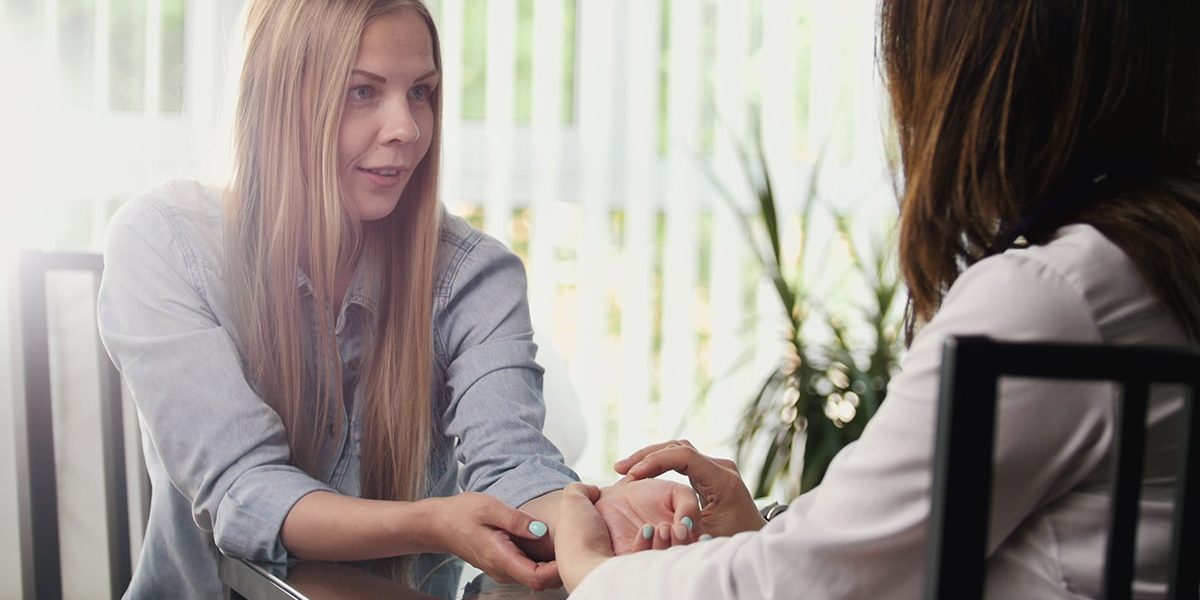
{"x": 298, "y": 400}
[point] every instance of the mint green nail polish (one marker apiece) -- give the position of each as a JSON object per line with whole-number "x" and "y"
{"x": 687, "y": 522}
{"x": 647, "y": 531}
{"x": 538, "y": 528}
{"x": 704, "y": 537}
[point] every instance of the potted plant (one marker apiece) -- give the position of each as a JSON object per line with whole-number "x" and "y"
{"x": 838, "y": 359}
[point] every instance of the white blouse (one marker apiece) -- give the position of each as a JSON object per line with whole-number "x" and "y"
{"x": 862, "y": 532}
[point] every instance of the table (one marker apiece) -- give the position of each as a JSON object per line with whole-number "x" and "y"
{"x": 438, "y": 579}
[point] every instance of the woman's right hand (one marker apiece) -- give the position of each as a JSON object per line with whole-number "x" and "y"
{"x": 479, "y": 529}
{"x": 726, "y": 506}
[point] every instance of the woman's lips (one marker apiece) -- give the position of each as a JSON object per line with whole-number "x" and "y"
{"x": 384, "y": 177}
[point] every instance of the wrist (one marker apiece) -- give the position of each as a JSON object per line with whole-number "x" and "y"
{"x": 772, "y": 510}
{"x": 423, "y": 523}
{"x": 579, "y": 569}
{"x": 763, "y": 515}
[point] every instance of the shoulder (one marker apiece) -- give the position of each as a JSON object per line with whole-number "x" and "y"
{"x": 479, "y": 290}
{"x": 1124, "y": 308}
{"x": 178, "y": 222}
{"x": 181, "y": 199}
{"x": 175, "y": 211}
{"x": 465, "y": 255}
{"x": 1082, "y": 257}
{"x": 1078, "y": 287}
{"x": 1040, "y": 293}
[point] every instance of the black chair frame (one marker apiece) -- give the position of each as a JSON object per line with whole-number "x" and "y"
{"x": 37, "y": 483}
{"x": 962, "y": 484}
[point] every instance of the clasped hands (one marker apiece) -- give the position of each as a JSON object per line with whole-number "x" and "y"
{"x": 593, "y": 524}
{"x": 511, "y": 546}
{"x": 587, "y": 538}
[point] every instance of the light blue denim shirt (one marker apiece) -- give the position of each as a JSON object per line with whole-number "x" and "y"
{"x": 218, "y": 455}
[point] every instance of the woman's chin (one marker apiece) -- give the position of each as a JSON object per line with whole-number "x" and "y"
{"x": 373, "y": 209}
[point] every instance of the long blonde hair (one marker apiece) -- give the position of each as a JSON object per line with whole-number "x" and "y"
{"x": 285, "y": 213}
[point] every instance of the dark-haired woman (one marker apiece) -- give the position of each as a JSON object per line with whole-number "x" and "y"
{"x": 1051, "y": 192}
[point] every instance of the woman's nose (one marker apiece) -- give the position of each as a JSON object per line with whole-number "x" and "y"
{"x": 399, "y": 126}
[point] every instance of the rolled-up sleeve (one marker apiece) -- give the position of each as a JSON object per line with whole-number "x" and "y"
{"x": 495, "y": 409}
{"x": 220, "y": 445}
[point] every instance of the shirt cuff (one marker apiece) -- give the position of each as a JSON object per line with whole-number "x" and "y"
{"x": 252, "y": 513}
{"x": 535, "y": 477}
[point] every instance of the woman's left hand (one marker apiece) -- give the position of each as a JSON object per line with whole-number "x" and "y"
{"x": 649, "y": 514}
{"x": 728, "y": 507}
{"x": 582, "y": 541}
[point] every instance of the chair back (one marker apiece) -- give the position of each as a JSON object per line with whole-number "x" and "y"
{"x": 37, "y": 483}
{"x": 962, "y": 482}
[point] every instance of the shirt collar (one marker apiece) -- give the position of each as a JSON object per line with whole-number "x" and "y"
{"x": 363, "y": 290}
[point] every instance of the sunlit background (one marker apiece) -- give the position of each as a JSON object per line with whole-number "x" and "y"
{"x": 594, "y": 137}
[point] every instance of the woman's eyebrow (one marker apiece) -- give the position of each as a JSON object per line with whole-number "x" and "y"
{"x": 382, "y": 79}
{"x": 369, "y": 75}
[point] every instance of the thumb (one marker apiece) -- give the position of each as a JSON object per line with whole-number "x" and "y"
{"x": 518, "y": 523}
{"x": 589, "y": 492}
{"x": 578, "y": 502}
{"x": 687, "y": 506}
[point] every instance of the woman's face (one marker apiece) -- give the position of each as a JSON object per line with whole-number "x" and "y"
{"x": 387, "y": 125}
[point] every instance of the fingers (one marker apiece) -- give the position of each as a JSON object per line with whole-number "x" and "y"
{"x": 680, "y": 535}
{"x": 726, "y": 463}
{"x": 684, "y": 459}
{"x": 662, "y": 536}
{"x": 545, "y": 576}
{"x": 644, "y": 538}
{"x": 687, "y": 514}
{"x": 622, "y": 466}
{"x": 508, "y": 562}
{"x": 540, "y": 577}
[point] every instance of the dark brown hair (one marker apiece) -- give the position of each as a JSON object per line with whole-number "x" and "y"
{"x": 996, "y": 101}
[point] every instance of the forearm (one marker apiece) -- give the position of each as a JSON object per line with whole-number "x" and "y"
{"x": 328, "y": 526}
{"x": 545, "y": 509}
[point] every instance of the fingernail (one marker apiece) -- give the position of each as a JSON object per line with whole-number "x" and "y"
{"x": 680, "y": 532}
{"x": 647, "y": 531}
{"x": 687, "y": 522}
{"x": 538, "y": 528}
{"x": 664, "y": 533}
{"x": 704, "y": 537}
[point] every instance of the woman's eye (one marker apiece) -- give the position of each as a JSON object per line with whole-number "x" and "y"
{"x": 362, "y": 92}
{"x": 421, "y": 93}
